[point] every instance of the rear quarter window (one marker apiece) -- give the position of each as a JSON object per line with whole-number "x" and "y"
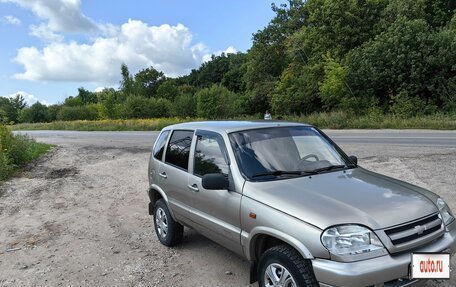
{"x": 178, "y": 149}
{"x": 159, "y": 147}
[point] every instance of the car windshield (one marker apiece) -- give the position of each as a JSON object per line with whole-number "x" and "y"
{"x": 270, "y": 153}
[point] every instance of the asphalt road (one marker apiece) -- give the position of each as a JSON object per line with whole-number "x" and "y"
{"x": 146, "y": 139}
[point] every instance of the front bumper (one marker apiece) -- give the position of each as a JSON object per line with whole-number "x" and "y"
{"x": 378, "y": 270}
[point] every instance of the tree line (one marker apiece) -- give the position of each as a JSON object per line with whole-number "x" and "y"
{"x": 357, "y": 56}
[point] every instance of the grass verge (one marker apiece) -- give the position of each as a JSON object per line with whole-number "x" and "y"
{"x": 333, "y": 120}
{"x": 104, "y": 125}
{"x": 16, "y": 151}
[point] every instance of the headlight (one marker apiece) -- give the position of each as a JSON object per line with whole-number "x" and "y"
{"x": 345, "y": 240}
{"x": 447, "y": 217}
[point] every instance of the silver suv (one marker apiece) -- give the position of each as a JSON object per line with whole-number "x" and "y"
{"x": 287, "y": 198}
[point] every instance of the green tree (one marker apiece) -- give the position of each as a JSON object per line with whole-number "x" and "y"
{"x": 5, "y": 107}
{"x": 216, "y": 102}
{"x": 268, "y": 58}
{"x": 397, "y": 60}
{"x": 298, "y": 91}
{"x": 184, "y": 106}
{"x": 11, "y": 108}
{"x": 147, "y": 81}
{"x": 127, "y": 84}
{"x": 436, "y": 13}
{"x": 227, "y": 69}
{"x": 142, "y": 108}
{"x": 110, "y": 103}
{"x": 86, "y": 96}
{"x": 37, "y": 113}
{"x": 52, "y": 112}
{"x": 167, "y": 90}
{"x": 73, "y": 101}
{"x": 334, "y": 91}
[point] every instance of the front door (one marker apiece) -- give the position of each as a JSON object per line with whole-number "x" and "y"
{"x": 216, "y": 212}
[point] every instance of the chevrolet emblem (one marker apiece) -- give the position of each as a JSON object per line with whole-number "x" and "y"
{"x": 420, "y": 229}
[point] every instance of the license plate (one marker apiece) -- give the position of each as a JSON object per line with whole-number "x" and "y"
{"x": 430, "y": 265}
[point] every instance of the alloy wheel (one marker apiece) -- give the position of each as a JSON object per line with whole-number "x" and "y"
{"x": 161, "y": 221}
{"x": 278, "y": 276}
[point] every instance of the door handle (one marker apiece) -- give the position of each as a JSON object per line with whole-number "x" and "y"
{"x": 163, "y": 174}
{"x": 193, "y": 187}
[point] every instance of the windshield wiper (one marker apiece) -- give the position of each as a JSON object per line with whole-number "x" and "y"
{"x": 330, "y": 167}
{"x": 283, "y": 172}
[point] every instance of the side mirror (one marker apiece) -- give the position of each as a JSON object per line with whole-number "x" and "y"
{"x": 353, "y": 159}
{"x": 215, "y": 181}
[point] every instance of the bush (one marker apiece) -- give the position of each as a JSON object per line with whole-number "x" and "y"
{"x": 37, "y": 113}
{"x": 72, "y": 113}
{"x": 137, "y": 107}
{"x": 334, "y": 91}
{"x": 404, "y": 106}
{"x": 161, "y": 108}
{"x": 297, "y": 91}
{"x": 167, "y": 90}
{"x": 184, "y": 106}
{"x": 215, "y": 102}
{"x": 16, "y": 151}
{"x": 52, "y": 112}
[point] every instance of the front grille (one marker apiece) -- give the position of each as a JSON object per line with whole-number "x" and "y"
{"x": 415, "y": 230}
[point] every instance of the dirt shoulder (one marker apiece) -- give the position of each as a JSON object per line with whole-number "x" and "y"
{"x": 78, "y": 217}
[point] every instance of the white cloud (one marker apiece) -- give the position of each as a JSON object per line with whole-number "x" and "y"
{"x": 102, "y": 88}
{"x": 9, "y": 19}
{"x": 229, "y": 50}
{"x": 29, "y": 98}
{"x": 45, "y": 34}
{"x": 60, "y": 15}
{"x": 166, "y": 48}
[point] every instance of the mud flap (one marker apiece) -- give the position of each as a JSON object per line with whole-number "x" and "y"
{"x": 253, "y": 271}
{"x": 151, "y": 208}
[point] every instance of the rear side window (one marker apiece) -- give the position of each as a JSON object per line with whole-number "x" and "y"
{"x": 209, "y": 156}
{"x": 178, "y": 150}
{"x": 160, "y": 145}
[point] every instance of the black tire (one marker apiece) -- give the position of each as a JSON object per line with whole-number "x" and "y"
{"x": 285, "y": 256}
{"x": 174, "y": 231}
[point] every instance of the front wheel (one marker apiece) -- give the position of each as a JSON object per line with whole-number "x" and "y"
{"x": 283, "y": 266}
{"x": 168, "y": 231}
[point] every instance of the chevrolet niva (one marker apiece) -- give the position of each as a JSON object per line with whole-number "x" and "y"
{"x": 287, "y": 198}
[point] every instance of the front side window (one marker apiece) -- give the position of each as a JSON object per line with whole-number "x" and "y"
{"x": 209, "y": 156}
{"x": 269, "y": 153}
{"x": 178, "y": 150}
{"x": 160, "y": 145}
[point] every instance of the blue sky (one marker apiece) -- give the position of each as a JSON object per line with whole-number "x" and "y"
{"x": 49, "y": 48}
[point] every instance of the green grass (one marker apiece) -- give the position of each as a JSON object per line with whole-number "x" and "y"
{"x": 36, "y": 149}
{"x": 17, "y": 151}
{"x": 333, "y": 120}
{"x": 104, "y": 125}
{"x": 340, "y": 120}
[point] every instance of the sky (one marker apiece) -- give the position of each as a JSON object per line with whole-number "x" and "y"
{"x": 49, "y": 48}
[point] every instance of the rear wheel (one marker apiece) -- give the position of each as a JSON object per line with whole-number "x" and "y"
{"x": 283, "y": 266}
{"x": 168, "y": 231}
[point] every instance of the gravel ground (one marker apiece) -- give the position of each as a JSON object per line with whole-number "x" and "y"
{"x": 78, "y": 217}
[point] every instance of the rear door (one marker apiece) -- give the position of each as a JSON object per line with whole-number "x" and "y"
{"x": 173, "y": 173}
{"x": 216, "y": 212}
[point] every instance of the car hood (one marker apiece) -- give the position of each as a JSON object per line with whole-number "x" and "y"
{"x": 355, "y": 196}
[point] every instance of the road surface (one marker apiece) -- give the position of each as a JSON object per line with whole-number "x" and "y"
{"x": 146, "y": 139}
